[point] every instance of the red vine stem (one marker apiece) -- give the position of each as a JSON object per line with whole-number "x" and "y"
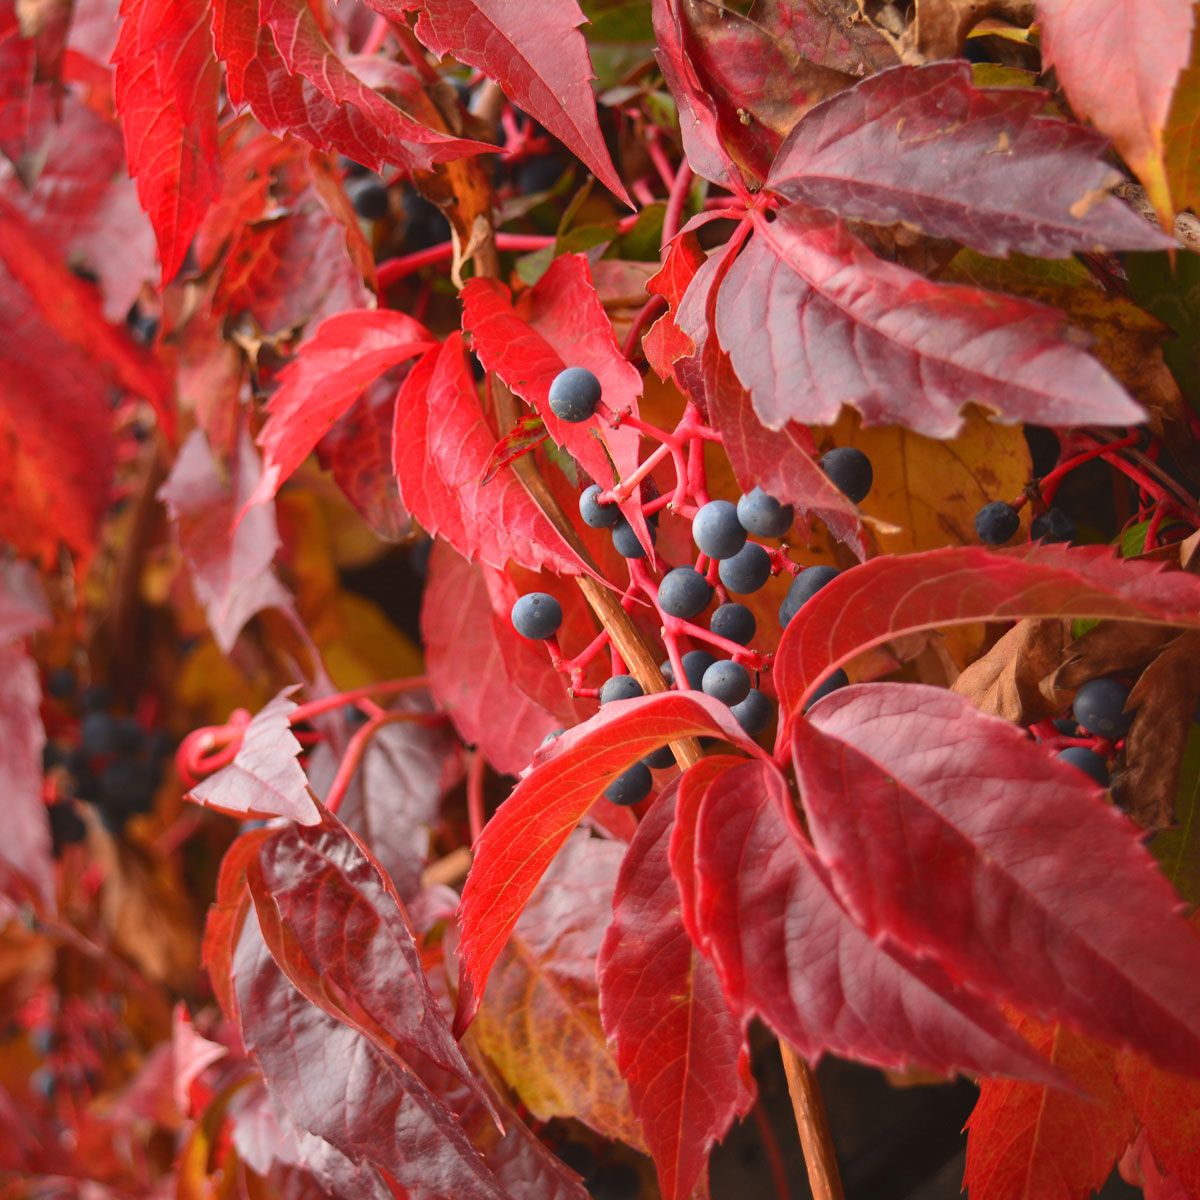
{"x": 675, "y": 202}
{"x": 393, "y": 269}
{"x": 476, "y": 812}
{"x": 358, "y": 747}
{"x": 774, "y": 1158}
{"x": 1050, "y": 483}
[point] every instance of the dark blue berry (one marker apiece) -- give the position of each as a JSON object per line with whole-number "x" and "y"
{"x": 98, "y": 734}
{"x": 727, "y": 681}
{"x": 1100, "y": 708}
{"x": 804, "y": 587}
{"x": 997, "y": 523}
{"x": 127, "y": 786}
{"x": 537, "y": 616}
{"x": 833, "y": 681}
{"x": 620, "y": 687}
{"x": 660, "y": 759}
{"x": 735, "y": 622}
{"x": 574, "y": 394}
{"x": 695, "y": 663}
{"x": 762, "y": 514}
{"x": 1052, "y": 526}
{"x": 747, "y": 570}
{"x": 717, "y": 530}
{"x": 538, "y": 174}
{"x": 755, "y": 713}
{"x": 61, "y": 684}
{"x": 369, "y": 196}
{"x": 631, "y": 786}
{"x": 625, "y": 541}
{"x": 595, "y": 514}
{"x": 96, "y": 698}
{"x": 684, "y": 592}
{"x": 1088, "y": 761}
{"x": 849, "y": 470}
{"x": 1067, "y": 726}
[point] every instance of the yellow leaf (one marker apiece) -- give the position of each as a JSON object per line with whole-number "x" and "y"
{"x": 1181, "y": 134}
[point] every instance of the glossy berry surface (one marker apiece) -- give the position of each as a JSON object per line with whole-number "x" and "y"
{"x": 726, "y": 681}
{"x": 620, "y": 687}
{"x": 631, "y": 786}
{"x": 997, "y": 523}
{"x": 1052, "y": 526}
{"x": 1100, "y": 708}
{"x": 831, "y": 683}
{"x": 594, "y": 514}
{"x": 747, "y": 570}
{"x": 625, "y": 541}
{"x": 574, "y": 394}
{"x": 660, "y": 759}
{"x": 735, "y": 622}
{"x": 762, "y": 514}
{"x": 695, "y": 663}
{"x": 717, "y": 530}
{"x": 754, "y": 713}
{"x": 537, "y": 616}
{"x": 684, "y": 593}
{"x": 804, "y": 587}
{"x": 850, "y": 471}
{"x": 1087, "y": 761}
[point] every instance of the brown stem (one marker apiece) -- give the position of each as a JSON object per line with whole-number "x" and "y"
{"x": 813, "y": 1126}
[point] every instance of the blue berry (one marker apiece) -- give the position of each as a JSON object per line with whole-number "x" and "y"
{"x": 850, "y": 471}
{"x": 833, "y": 681}
{"x": 1088, "y": 761}
{"x": 747, "y": 570}
{"x": 369, "y": 196}
{"x": 804, "y": 587}
{"x": 1052, "y": 526}
{"x": 660, "y": 759}
{"x": 684, "y": 592}
{"x": 735, "y": 622}
{"x": 537, "y": 616}
{"x": 99, "y": 734}
{"x": 574, "y": 394}
{"x": 1100, "y": 708}
{"x": 755, "y": 713}
{"x": 631, "y": 786}
{"x": 595, "y": 514}
{"x": 997, "y": 523}
{"x": 620, "y": 687}
{"x": 717, "y": 530}
{"x": 727, "y": 681}
{"x": 762, "y": 514}
{"x": 625, "y": 541}
{"x": 695, "y": 663}
{"x": 61, "y": 684}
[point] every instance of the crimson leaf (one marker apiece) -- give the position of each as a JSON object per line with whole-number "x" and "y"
{"x": 984, "y": 166}
{"x": 953, "y": 833}
{"x": 813, "y": 322}
{"x": 678, "y": 1045}
{"x": 25, "y": 854}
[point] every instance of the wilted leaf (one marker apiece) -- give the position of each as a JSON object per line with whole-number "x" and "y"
{"x": 1007, "y": 681}
{"x": 678, "y": 1045}
{"x": 1028, "y": 857}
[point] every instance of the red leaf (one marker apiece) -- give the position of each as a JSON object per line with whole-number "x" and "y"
{"x": 924, "y": 147}
{"x": 889, "y": 596}
{"x": 814, "y": 322}
{"x": 1168, "y": 1107}
{"x": 278, "y": 61}
{"x": 1118, "y": 61}
{"x": 466, "y": 665}
{"x": 525, "y": 436}
{"x": 665, "y": 342}
{"x": 265, "y": 779}
{"x": 953, "y": 833}
{"x": 442, "y": 444}
{"x": 231, "y": 574}
{"x": 786, "y": 949}
{"x": 529, "y": 828}
{"x": 542, "y": 64}
{"x": 17, "y": 63}
{"x": 679, "y": 1046}
{"x": 334, "y": 367}
{"x": 1032, "y": 1141}
{"x": 560, "y": 322}
{"x": 166, "y": 89}
{"x": 23, "y": 607}
{"x": 25, "y": 854}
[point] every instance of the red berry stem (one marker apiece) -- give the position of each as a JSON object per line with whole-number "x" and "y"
{"x": 1050, "y": 483}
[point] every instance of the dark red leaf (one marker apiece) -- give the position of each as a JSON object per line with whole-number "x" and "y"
{"x": 923, "y": 146}
{"x": 265, "y": 779}
{"x": 278, "y": 61}
{"x": 679, "y": 1047}
{"x": 231, "y": 573}
{"x": 541, "y": 64}
{"x": 953, "y": 833}
{"x": 888, "y": 596}
{"x": 343, "y": 357}
{"x": 442, "y": 444}
{"x": 786, "y": 949}
{"x": 17, "y": 63}
{"x": 166, "y": 89}
{"x": 814, "y": 322}
{"x": 521, "y": 839}
{"x": 468, "y": 674}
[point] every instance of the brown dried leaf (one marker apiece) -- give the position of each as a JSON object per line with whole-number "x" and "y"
{"x": 937, "y": 28}
{"x": 1111, "y": 647}
{"x": 1008, "y": 680}
{"x": 1165, "y": 699}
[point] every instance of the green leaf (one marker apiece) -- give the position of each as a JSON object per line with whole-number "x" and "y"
{"x": 1174, "y": 298}
{"x": 1178, "y": 848}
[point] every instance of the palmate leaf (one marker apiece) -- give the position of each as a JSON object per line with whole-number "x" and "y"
{"x": 956, "y": 836}
{"x": 982, "y": 166}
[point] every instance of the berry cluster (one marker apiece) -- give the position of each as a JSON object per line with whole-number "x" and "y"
{"x": 729, "y": 563}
